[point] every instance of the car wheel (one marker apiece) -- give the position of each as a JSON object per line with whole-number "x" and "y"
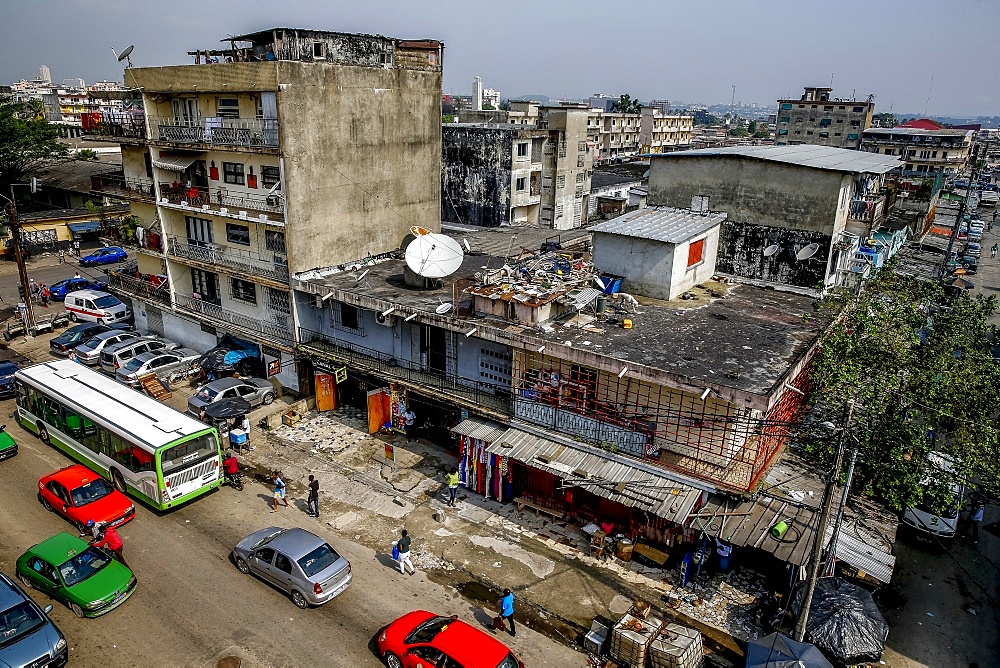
{"x": 268, "y": 399}
{"x": 299, "y": 600}
{"x": 43, "y": 433}
{"x": 77, "y": 610}
{"x": 392, "y": 660}
{"x": 118, "y": 481}
{"x": 45, "y": 503}
{"x": 72, "y": 317}
{"x": 242, "y": 566}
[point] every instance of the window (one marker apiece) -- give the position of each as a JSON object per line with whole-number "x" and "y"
{"x": 561, "y": 181}
{"x": 521, "y": 183}
{"x": 277, "y": 301}
{"x": 205, "y": 284}
{"x": 274, "y": 241}
{"x": 580, "y": 160}
{"x": 858, "y": 110}
{"x": 282, "y": 563}
{"x": 581, "y": 147}
{"x": 238, "y": 234}
{"x": 809, "y": 132}
{"x": 233, "y": 172}
{"x": 888, "y": 151}
{"x": 581, "y": 177}
{"x": 824, "y": 134}
{"x": 783, "y": 131}
{"x": 228, "y": 107}
{"x": 855, "y": 124}
{"x": 696, "y": 252}
{"x": 270, "y": 176}
{"x": 319, "y": 50}
{"x": 784, "y": 119}
{"x": 522, "y": 149}
{"x": 199, "y": 231}
{"x": 828, "y": 107}
{"x": 348, "y": 316}
{"x": 244, "y": 291}
{"x": 853, "y": 136}
{"x": 837, "y": 134}
{"x": 786, "y": 105}
{"x": 825, "y": 122}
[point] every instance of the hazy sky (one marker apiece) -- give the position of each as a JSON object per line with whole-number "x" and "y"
{"x": 693, "y": 51}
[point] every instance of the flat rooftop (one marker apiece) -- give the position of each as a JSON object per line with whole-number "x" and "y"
{"x": 802, "y": 155}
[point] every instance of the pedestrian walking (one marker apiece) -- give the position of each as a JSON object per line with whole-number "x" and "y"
{"x": 993, "y": 251}
{"x": 76, "y": 248}
{"x": 77, "y": 275}
{"x": 410, "y": 420}
{"x": 113, "y": 542}
{"x": 978, "y": 508}
{"x": 62, "y": 256}
{"x": 312, "y": 503}
{"x": 35, "y": 290}
{"x": 507, "y": 612}
{"x": 279, "y": 490}
{"x": 44, "y": 290}
{"x": 403, "y": 545}
{"x": 452, "y": 479}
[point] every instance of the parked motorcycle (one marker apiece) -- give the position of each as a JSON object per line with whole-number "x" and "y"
{"x": 233, "y": 480}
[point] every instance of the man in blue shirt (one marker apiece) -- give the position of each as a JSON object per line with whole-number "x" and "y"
{"x": 507, "y": 609}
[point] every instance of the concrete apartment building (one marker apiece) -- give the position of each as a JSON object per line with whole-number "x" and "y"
{"x": 924, "y": 146}
{"x": 293, "y": 150}
{"x": 817, "y": 119}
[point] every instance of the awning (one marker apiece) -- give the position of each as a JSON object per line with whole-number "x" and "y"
{"x": 613, "y": 477}
{"x": 175, "y": 162}
{"x": 89, "y": 226}
{"x": 485, "y": 430}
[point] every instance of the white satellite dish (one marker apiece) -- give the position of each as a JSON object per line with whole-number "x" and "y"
{"x": 362, "y": 276}
{"x": 468, "y": 248}
{"x": 434, "y": 256}
{"x": 807, "y": 252}
{"x": 443, "y": 308}
{"x": 771, "y": 250}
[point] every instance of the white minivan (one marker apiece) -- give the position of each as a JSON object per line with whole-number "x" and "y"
{"x": 95, "y": 306}
{"x": 922, "y": 517}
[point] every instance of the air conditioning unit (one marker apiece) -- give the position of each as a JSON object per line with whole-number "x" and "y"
{"x": 280, "y": 259}
{"x": 272, "y": 200}
{"x": 385, "y": 320}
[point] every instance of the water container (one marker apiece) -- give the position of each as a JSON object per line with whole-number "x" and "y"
{"x": 602, "y": 304}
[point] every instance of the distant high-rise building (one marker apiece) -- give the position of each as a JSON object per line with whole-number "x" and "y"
{"x": 44, "y": 74}
{"x": 477, "y": 94}
{"x": 74, "y": 83}
{"x": 663, "y": 106}
{"x": 602, "y": 102}
{"x": 491, "y": 97}
{"x": 815, "y": 118}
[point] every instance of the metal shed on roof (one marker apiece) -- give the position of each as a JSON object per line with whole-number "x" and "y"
{"x": 803, "y": 155}
{"x": 661, "y": 223}
{"x": 481, "y": 428}
{"x": 610, "y": 476}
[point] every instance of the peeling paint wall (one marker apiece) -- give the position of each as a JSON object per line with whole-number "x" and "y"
{"x": 741, "y": 252}
{"x": 476, "y": 172}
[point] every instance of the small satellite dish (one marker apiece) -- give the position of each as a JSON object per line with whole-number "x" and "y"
{"x": 434, "y": 256}
{"x": 361, "y": 277}
{"x": 124, "y": 55}
{"x": 406, "y": 241}
{"x": 468, "y": 248}
{"x": 418, "y": 231}
{"x": 443, "y": 308}
{"x": 771, "y": 250}
{"x": 807, "y": 252}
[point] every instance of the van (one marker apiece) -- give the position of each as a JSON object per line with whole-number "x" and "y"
{"x": 118, "y": 355}
{"x": 95, "y": 306}
{"x": 924, "y": 519}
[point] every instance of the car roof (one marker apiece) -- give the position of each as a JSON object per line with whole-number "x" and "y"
{"x": 122, "y": 345}
{"x": 59, "y": 548}
{"x": 150, "y": 355}
{"x": 296, "y": 543}
{"x": 467, "y": 644}
{"x": 81, "y": 327}
{"x": 88, "y": 293}
{"x": 10, "y": 595}
{"x": 224, "y": 384}
{"x": 112, "y": 332}
{"x": 8, "y": 365}
{"x": 75, "y": 475}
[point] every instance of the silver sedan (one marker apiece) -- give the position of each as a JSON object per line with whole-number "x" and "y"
{"x": 255, "y": 391}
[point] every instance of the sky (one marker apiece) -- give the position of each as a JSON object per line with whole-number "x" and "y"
{"x": 916, "y": 56}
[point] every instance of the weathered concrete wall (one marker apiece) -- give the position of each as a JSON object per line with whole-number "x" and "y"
{"x": 194, "y": 79}
{"x": 476, "y": 174}
{"x": 741, "y": 252}
{"x": 362, "y": 154}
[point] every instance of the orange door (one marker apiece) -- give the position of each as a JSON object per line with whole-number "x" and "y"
{"x": 326, "y": 392}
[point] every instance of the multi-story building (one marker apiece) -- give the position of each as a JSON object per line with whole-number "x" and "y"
{"x": 303, "y": 148}
{"x": 924, "y": 147}
{"x": 661, "y": 132}
{"x": 816, "y": 119}
{"x": 662, "y": 106}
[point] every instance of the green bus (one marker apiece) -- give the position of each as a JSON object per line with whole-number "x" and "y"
{"x": 144, "y": 448}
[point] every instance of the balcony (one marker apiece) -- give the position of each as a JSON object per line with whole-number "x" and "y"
{"x": 869, "y": 209}
{"x": 240, "y": 132}
{"x": 492, "y": 398}
{"x": 149, "y": 288}
{"x": 275, "y": 327}
{"x": 119, "y": 185}
{"x": 247, "y": 262}
{"x": 221, "y": 202}
{"x": 115, "y": 126}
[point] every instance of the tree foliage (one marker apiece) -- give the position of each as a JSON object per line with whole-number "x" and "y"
{"x": 886, "y": 120}
{"x": 626, "y": 105}
{"x": 919, "y": 369}
{"x": 28, "y": 144}
{"x": 86, "y": 155}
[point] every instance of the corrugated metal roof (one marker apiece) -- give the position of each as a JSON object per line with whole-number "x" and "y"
{"x": 175, "y": 162}
{"x": 804, "y": 155}
{"x": 661, "y": 223}
{"x": 858, "y": 547}
{"x": 601, "y": 473}
{"x": 481, "y": 428}
{"x": 944, "y": 132}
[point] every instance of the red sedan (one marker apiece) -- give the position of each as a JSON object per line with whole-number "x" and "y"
{"x": 79, "y": 494}
{"x": 421, "y": 639}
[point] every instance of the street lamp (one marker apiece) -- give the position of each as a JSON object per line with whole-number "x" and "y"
{"x": 22, "y": 271}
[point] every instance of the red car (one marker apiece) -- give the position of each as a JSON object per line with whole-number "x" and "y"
{"x": 421, "y": 639}
{"x": 79, "y": 494}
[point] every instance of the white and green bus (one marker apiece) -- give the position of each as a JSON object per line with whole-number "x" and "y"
{"x": 144, "y": 448}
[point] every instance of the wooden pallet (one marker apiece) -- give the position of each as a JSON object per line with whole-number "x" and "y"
{"x": 155, "y": 387}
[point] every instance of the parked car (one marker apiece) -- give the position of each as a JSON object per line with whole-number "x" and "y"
{"x": 970, "y": 264}
{"x": 96, "y": 306}
{"x": 77, "y": 334}
{"x": 27, "y": 635}
{"x": 107, "y": 255}
{"x": 58, "y": 291}
{"x": 72, "y": 571}
{"x": 925, "y": 518}
{"x": 421, "y": 638}
{"x": 159, "y": 362}
{"x": 8, "y": 446}
{"x": 974, "y": 249}
{"x": 115, "y": 356}
{"x": 7, "y": 386}
{"x": 296, "y": 561}
{"x": 254, "y": 390}
{"x": 89, "y": 352}
{"x": 79, "y": 495}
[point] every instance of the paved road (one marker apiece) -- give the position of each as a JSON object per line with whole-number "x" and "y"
{"x": 43, "y": 270}
{"x": 192, "y": 607}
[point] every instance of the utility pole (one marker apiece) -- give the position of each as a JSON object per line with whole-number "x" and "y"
{"x": 22, "y": 270}
{"x": 973, "y": 179}
{"x": 831, "y": 555}
{"x": 824, "y": 521}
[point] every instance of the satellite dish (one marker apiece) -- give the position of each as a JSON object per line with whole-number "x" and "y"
{"x": 418, "y": 231}
{"x": 406, "y": 241}
{"x": 771, "y": 250}
{"x": 807, "y": 252}
{"x": 125, "y": 54}
{"x": 434, "y": 256}
{"x": 443, "y": 308}
{"x": 468, "y": 248}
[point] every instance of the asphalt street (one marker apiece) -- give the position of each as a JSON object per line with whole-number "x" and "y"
{"x": 193, "y": 608}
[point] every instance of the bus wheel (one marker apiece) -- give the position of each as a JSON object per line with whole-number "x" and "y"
{"x": 118, "y": 481}
{"x": 43, "y": 433}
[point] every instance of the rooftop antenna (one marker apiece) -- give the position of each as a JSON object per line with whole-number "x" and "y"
{"x": 929, "y": 89}
{"x": 124, "y": 55}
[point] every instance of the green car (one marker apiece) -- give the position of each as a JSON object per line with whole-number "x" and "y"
{"x": 8, "y": 448}
{"x": 83, "y": 577}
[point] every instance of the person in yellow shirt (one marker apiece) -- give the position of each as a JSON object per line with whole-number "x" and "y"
{"x": 452, "y": 479}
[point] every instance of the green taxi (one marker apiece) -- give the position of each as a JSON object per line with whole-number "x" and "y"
{"x": 8, "y": 448}
{"x": 83, "y": 577}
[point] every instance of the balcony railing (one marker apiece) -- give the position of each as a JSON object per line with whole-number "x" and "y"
{"x": 123, "y": 186}
{"x": 276, "y": 326}
{"x": 868, "y": 209}
{"x": 126, "y": 125}
{"x": 495, "y": 398}
{"x": 219, "y": 199}
{"x": 246, "y": 262}
{"x": 247, "y": 132}
{"x": 147, "y": 288}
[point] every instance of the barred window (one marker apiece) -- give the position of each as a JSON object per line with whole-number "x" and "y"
{"x": 244, "y": 291}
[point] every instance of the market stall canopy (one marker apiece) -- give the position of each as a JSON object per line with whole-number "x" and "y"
{"x": 89, "y": 226}
{"x": 959, "y": 282}
{"x": 779, "y": 651}
{"x": 844, "y": 621}
{"x": 227, "y": 408}
{"x": 480, "y": 428}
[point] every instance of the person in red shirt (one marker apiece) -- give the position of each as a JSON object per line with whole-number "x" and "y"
{"x": 113, "y": 542}
{"x": 230, "y": 466}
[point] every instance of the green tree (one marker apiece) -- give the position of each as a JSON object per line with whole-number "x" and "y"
{"x": 752, "y": 127}
{"x": 739, "y": 132}
{"x": 886, "y": 120}
{"x": 28, "y": 144}
{"x": 448, "y": 118}
{"x": 626, "y": 105}
{"x": 86, "y": 155}
{"x": 918, "y": 367}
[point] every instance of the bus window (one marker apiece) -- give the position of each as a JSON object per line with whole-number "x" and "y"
{"x": 141, "y": 460}
{"x": 74, "y": 424}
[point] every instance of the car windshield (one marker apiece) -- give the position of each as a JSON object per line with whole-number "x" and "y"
{"x": 509, "y": 662}
{"x": 318, "y": 560}
{"x": 83, "y": 565}
{"x": 133, "y": 364}
{"x": 207, "y": 393}
{"x": 189, "y": 453}
{"x": 92, "y": 342}
{"x": 107, "y": 301}
{"x": 427, "y": 631}
{"x": 90, "y": 492}
{"x": 18, "y": 621}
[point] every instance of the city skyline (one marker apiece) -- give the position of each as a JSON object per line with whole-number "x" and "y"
{"x": 696, "y": 53}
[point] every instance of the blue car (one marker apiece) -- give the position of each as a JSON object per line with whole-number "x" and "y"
{"x": 108, "y": 255}
{"x": 7, "y": 387}
{"x": 58, "y": 291}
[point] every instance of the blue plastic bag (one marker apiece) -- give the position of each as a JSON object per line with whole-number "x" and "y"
{"x": 395, "y": 551}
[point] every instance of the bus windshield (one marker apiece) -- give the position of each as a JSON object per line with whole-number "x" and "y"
{"x": 188, "y": 453}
